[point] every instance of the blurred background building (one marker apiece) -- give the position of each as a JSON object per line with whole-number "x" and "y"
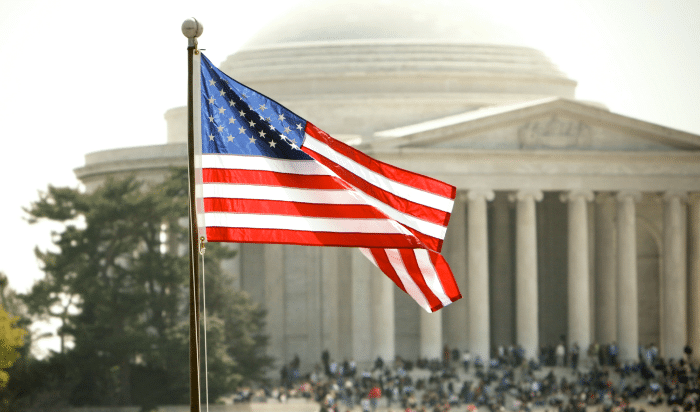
{"x": 570, "y": 220}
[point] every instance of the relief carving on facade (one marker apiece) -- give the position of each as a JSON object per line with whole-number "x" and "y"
{"x": 555, "y": 133}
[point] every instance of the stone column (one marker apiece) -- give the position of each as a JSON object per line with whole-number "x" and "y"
{"x": 478, "y": 285}
{"x": 579, "y": 274}
{"x": 627, "y": 306}
{"x": 383, "y": 330}
{"x": 526, "y": 300}
{"x": 431, "y": 335}
{"x": 312, "y": 274}
{"x": 674, "y": 287}
{"x": 345, "y": 303}
{"x": 456, "y": 318}
{"x": 275, "y": 293}
{"x": 606, "y": 269}
{"x": 361, "y": 310}
{"x": 694, "y": 275}
{"x": 330, "y": 302}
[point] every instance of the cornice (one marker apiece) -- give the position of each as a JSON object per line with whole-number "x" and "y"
{"x": 472, "y": 123}
{"x": 132, "y": 159}
{"x": 671, "y": 157}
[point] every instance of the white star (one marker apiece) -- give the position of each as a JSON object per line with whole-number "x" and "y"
{"x": 241, "y": 113}
{"x": 287, "y": 129}
{"x": 263, "y": 107}
{"x": 267, "y": 119}
{"x": 261, "y": 133}
{"x": 252, "y": 139}
{"x": 271, "y": 126}
{"x": 221, "y": 129}
{"x": 251, "y": 123}
{"x": 299, "y": 126}
{"x": 222, "y": 92}
{"x": 212, "y": 82}
{"x": 211, "y": 99}
{"x": 281, "y": 117}
{"x": 221, "y": 110}
{"x": 211, "y": 136}
{"x": 241, "y": 130}
{"x": 211, "y": 119}
{"x": 272, "y": 143}
{"x": 232, "y": 103}
{"x": 244, "y": 95}
{"x": 283, "y": 137}
{"x": 230, "y": 138}
{"x": 231, "y": 120}
{"x": 294, "y": 146}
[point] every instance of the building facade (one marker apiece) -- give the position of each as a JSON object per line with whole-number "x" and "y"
{"x": 570, "y": 220}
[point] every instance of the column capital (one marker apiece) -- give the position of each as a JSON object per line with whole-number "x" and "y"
{"x": 535, "y": 194}
{"x": 694, "y": 197}
{"x": 629, "y": 194}
{"x": 586, "y": 195}
{"x": 671, "y": 194}
{"x": 487, "y": 194}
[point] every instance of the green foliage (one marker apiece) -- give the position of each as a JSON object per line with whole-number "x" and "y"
{"x": 11, "y": 338}
{"x": 121, "y": 294}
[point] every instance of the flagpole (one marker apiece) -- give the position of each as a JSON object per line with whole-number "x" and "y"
{"x": 192, "y": 29}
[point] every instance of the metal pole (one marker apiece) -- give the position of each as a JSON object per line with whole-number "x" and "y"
{"x": 192, "y": 29}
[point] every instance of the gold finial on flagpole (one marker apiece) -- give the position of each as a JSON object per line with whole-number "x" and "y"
{"x": 192, "y": 29}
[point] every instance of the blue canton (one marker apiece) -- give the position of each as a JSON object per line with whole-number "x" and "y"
{"x": 238, "y": 120}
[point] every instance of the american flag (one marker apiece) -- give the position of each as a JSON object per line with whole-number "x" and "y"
{"x": 269, "y": 176}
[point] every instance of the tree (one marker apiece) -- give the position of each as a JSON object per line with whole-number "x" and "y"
{"x": 119, "y": 287}
{"x": 12, "y": 303}
{"x": 11, "y": 338}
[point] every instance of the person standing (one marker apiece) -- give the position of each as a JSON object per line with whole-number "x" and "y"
{"x": 466, "y": 360}
{"x": 560, "y": 353}
{"x": 574, "y": 356}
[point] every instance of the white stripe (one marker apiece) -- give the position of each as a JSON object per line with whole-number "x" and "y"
{"x": 378, "y": 180}
{"x": 427, "y": 228}
{"x": 288, "y": 194}
{"x": 298, "y": 167}
{"x": 430, "y": 275}
{"x": 411, "y": 288}
{"x": 302, "y": 223}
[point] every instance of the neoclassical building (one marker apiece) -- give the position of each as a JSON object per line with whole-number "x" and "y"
{"x": 570, "y": 220}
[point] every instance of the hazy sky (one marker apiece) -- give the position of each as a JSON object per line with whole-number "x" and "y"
{"x": 82, "y": 76}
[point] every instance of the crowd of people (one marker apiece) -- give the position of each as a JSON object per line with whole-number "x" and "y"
{"x": 559, "y": 380}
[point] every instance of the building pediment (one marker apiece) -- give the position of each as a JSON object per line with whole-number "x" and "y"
{"x": 553, "y": 123}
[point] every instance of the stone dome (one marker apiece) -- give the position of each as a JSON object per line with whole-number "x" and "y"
{"x": 355, "y": 67}
{"x": 435, "y": 20}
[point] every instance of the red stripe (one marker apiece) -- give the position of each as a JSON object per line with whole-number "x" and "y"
{"x": 409, "y": 261}
{"x": 385, "y": 266}
{"x": 404, "y": 205}
{"x": 430, "y": 243}
{"x": 279, "y": 207}
{"x": 266, "y": 178}
{"x": 437, "y": 307}
{"x": 416, "y": 180}
{"x": 304, "y": 238}
{"x": 446, "y": 277}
